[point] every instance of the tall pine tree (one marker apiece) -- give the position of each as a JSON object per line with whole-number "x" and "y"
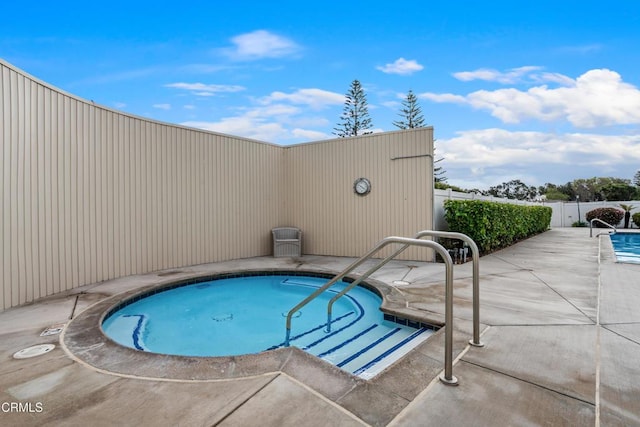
{"x": 355, "y": 118}
{"x": 438, "y": 172}
{"x": 411, "y": 113}
{"x": 411, "y": 117}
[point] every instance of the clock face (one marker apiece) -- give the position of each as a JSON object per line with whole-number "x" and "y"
{"x": 362, "y": 186}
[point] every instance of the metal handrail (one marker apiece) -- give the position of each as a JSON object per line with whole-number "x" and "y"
{"x": 447, "y": 377}
{"x": 475, "y": 259}
{"x": 600, "y": 221}
{"x": 475, "y": 253}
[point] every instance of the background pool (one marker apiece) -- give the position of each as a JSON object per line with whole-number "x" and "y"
{"x": 626, "y": 246}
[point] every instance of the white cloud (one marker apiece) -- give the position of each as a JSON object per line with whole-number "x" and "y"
{"x": 202, "y": 89}
{"x": 274, "y": 110}
{"x": 312, "y": 121}
{"x": 393, "y": 104}
{"x": 280, "y": 117}
{"x": 314, "y": 98}
{"x": 558, "y": 78}
{"x": 401, "y": 66}
{"x": 512, "y": 76}
{"x": 189, "y": 107}
{"x": 276, "y": 122}
{"x": 309, "y": 135}
{"x": 245, "y": 126}
{"x": 119, "y": 104}
{"x": 162, "y": 106}
{"x": 443, "y": 97}
{"x": 530, "y": 74}
{"x": 485, "y": 157}
{"x": 261, "y": 44}
{"x": 597, "y": 98}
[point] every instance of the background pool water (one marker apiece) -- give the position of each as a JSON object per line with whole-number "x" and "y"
{"x": 626, "y": 247}
{"x": 237, "y": 316}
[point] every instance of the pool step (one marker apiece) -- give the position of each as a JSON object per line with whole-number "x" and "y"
{"x": 364, "y": 350}
{"x": 355, "y": 345}
{"x": 372, "y": 361}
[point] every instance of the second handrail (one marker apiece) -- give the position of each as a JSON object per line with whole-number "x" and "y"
{"x": 475, "y": 253}
{"x": 600, "y": 221}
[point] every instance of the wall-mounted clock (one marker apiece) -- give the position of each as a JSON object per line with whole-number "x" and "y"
{"x": 362, "y": 186}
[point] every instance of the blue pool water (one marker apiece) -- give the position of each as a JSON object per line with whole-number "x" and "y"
{"x": 242, "y": 315}
{"x": 626, "y": 246}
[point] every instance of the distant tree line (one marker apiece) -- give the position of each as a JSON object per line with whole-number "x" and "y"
{"x": 583, "y": 189}
{"x": 594, "y": 189}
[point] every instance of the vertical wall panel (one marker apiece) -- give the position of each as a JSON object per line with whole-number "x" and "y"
{"x": 57, "y": 185}
{"x": 4, "y": 198}
{"x": 40, "y": 260}
{"x": 19, "y": 284}
{"x": 89, "y": 194}
{"x": 100, "y": 230}
{"x": 31, "y": 196}
{"x": 81, "y": 249}
{"x": 136, "y": 165}
{"x": 24, "y": 197}
{"x": 73, "y": 219}
{"x": 5, "y": 179}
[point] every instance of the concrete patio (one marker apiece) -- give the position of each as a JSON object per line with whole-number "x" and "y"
{"x": 561, "y": 334}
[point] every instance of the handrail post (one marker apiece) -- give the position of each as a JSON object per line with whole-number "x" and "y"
{"x": 475, "y": 257}
{"x": 447, "y": 377}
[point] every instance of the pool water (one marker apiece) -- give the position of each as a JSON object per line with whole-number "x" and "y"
{"x": 243, "y": 315}
{"x": 626, "y": 246}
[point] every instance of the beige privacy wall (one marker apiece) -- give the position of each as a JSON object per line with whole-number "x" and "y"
{"x": 320, "y": 199}
{"x": 89, "y": 194}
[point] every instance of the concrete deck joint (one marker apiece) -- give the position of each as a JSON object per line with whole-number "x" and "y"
{"x": 598, "y": 349}
{"x": 497, "y": 371}
{"x": 245, "y": 400}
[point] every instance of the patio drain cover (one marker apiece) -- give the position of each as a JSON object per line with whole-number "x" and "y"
{"x": 34, "y": 351}
{"x": 53, "y": 330}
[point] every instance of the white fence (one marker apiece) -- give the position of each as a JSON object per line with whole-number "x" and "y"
{"x": 564, "y": 213}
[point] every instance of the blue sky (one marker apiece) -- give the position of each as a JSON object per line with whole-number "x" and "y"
{"x": 539, "y": 91}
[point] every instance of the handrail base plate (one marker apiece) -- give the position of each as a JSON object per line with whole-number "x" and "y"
{"x": 453, "y": 381}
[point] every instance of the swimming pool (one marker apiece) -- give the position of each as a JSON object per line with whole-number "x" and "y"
{"x": 230, "y": 316}
{"x": 626, "y": 247}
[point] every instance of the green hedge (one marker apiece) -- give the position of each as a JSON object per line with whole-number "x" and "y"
{"x": 495, "y": 225}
